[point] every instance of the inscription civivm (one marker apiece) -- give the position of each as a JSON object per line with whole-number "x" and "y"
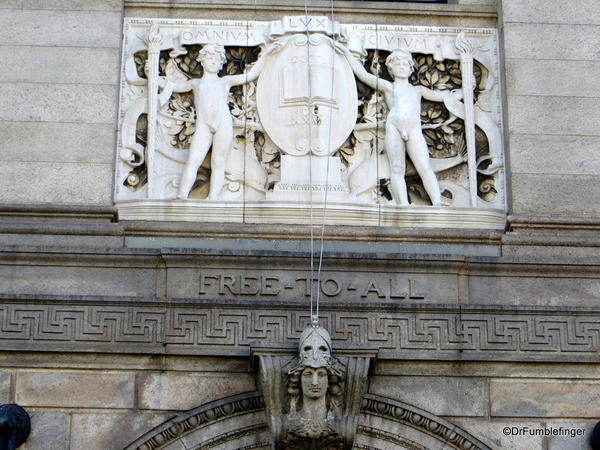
{"x": 388, "y": 125}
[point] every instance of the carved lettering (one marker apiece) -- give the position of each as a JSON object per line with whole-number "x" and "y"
{"x": 391, "y": 288}
{"x": 269, "y": 286}
{"x": 249, "y": 285}
{"x": 227, "y": 282}
{"x": 331, "y": 287}
{"x": 372, "y": 287}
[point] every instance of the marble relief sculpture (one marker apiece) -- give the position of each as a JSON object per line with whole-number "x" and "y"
{"x": 403, "y": 132}
{"x": 276, "y": 116}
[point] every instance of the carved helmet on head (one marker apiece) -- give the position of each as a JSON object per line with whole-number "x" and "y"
{"x": 314, "y": 347}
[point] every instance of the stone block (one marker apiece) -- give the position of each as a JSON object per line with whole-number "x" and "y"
{"x": 549, "y": 41}
{"x": 446, "y": 396}
{"x": 572, "y": 435}
{"x": 37, "y": 102}
{"x": 31, "y": 182}
{"x": 53, "y": 142}
{"x": 181, "y": 391}
{"x": 61, "y": 28}
{"x": 554, "y": 115}
{"x": 551, "y": 11}
{"x": 73, "y": 5}
{"x": 111, "y": 431}
{"x": 553, "y": 154}
{"x": 486, "y": 369}
{"x": 544, "y": 398}
{"x": 64, "y": 280}
{"x": 555, "y": 194}
{"x": 76, "y": 389}
{"x": 540, "y": 290}
{"x": 49, "y": 431}
{"x": 60, "y": 65}
{"x": 493, "y": 433}
{"x": 5, "y": 378}
{"x": 552, "y": 78}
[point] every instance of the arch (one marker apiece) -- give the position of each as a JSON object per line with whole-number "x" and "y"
{"x": 240, "y": 422}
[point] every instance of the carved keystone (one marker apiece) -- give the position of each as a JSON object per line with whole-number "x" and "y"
{"x": 312, "y": 400}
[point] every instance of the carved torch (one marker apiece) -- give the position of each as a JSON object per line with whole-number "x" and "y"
{"x": 465, "y": 50}
{"x": 153, "y": 42}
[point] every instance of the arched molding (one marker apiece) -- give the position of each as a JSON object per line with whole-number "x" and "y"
{"x": 388, "y": 420}
{"x": 240, "y": 422}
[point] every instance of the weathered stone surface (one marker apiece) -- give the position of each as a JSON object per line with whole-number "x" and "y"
{"x": 493, "y": 434}
{"x": 60, "y": 28}
{"x": 37, "y": 102}
{"x": 552, "y": 78}
{"x": 487, "y": 369}
{"x": 49, "y": 431}
{"x": 544, "y": 398}
{"x": 553, "y": 115}
{"x": 182, "y": 391}
{"x": 110, "y": 431}
{"x": 549, "y": 41}
{"x": 124, "y": 362}
{"x": 555, "y": 194}
{"x": 551, "y": 11}
{"x": 554, "y": 154}
{"x": 543, "y": 291}
{"x": 5, "y": 379}
{"x": 60, "y": 65}
{"x": 447, "y": 396}
{"x": 74, "y": 5}
{"x": 53, "y": 142}
{"x": 58, "y": 280}
{"x": 573, "y": 435}
{"x": 31, "y": 182}
{"x": 77, "y": 389}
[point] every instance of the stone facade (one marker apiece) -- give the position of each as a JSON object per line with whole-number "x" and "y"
{"x": 117, "y": 332}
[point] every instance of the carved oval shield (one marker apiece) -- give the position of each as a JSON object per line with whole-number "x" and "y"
{"x": 306, "y": 96}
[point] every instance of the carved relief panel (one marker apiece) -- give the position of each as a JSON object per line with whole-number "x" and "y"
{"x": 262, "y": 121}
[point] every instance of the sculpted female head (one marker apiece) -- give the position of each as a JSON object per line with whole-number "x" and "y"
{"x": 316, "y": 375}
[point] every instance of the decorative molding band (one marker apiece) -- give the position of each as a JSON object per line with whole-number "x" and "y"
{"x": 420, "y": 420}
{"x": 408, "y": 331}
{"x": 202, "y": 416}
{"x": 78, "y": 213}
{"x": 370, "y": 7}
{"x": 221, "y": 410}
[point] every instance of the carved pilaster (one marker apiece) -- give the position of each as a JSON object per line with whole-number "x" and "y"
{"x": 465, "y": 50}
{"x": 153, "y": 42}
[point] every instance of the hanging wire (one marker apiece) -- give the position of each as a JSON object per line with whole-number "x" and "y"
{"x": 312, "y": 264}
{"x": 323, "y": 218}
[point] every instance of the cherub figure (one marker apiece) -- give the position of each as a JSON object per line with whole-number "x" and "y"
{"x": 403, "y": 132}
{"x": 214, "y": 123}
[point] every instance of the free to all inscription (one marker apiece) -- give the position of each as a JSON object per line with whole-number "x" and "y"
{"x": 228, "y": 285}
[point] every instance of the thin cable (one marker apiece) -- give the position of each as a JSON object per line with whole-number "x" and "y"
{"x": 312, "y": 268}
{"x": 377, "y": 96}
{"x": 320, "y": 267}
